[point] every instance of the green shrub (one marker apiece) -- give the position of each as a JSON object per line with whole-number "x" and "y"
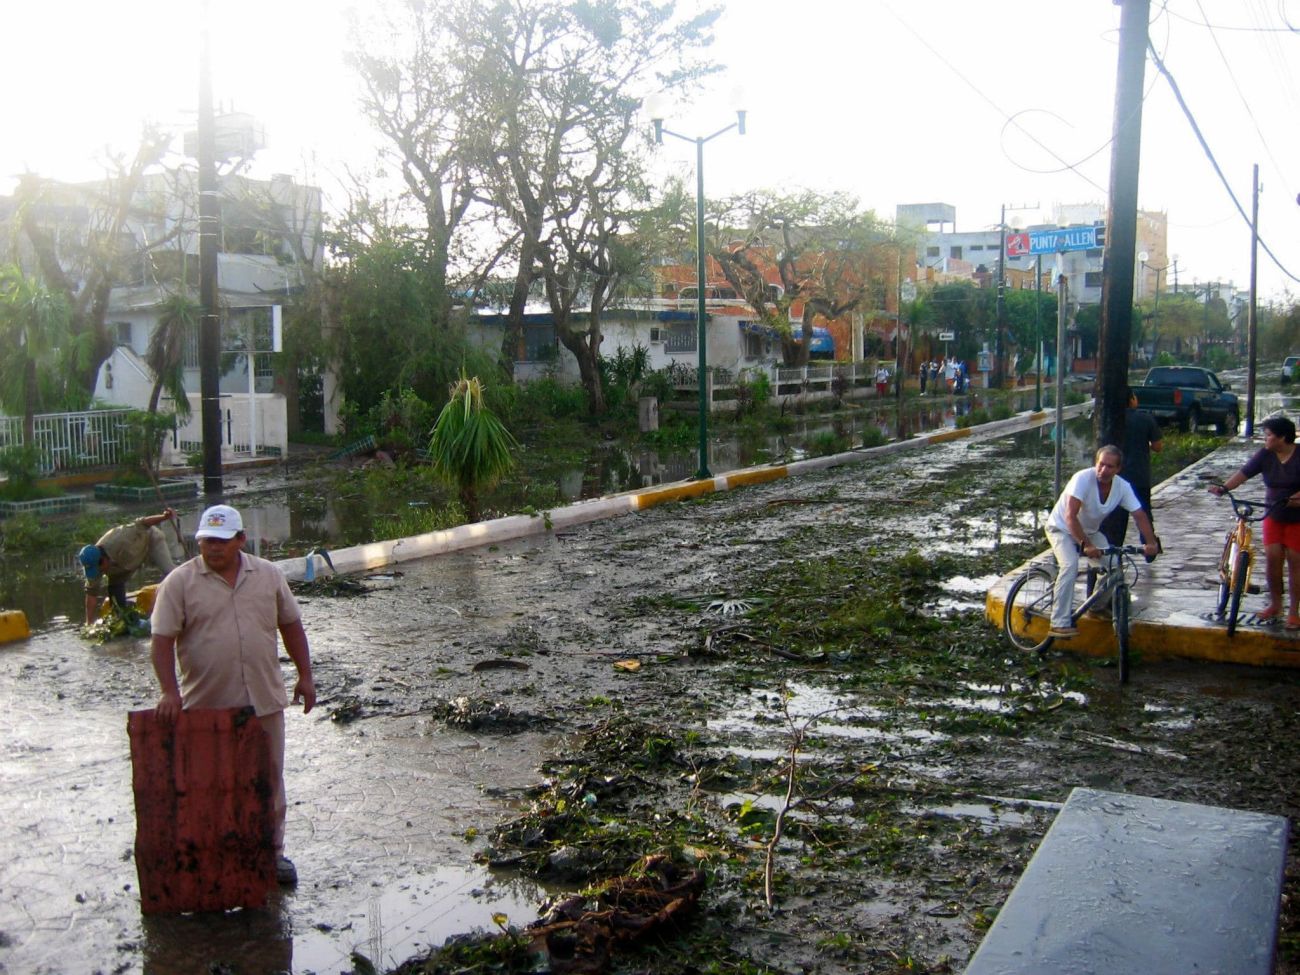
{"x": 417, "y": 519}
{"x": 20, "y": 465}
{"x": 874, "y": 437}
{"x": 826, "y": 443}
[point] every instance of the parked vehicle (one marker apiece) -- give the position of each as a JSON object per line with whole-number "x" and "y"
{"x": 1190, "y": 397}
{"x": 1288, "y": 368}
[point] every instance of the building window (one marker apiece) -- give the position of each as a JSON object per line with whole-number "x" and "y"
{"x": 681, "y": 338}
{"x": 1093, "y": 253}
{"x": 1092, "y": 279}
{"x": 122, "y": 333}
{"x": 977, "y": 247}
{"x": 539, "y": 343}
{"x": 755, "y": 345}
{"x": 954, "y": 252}
{"x": 932, "y": 252}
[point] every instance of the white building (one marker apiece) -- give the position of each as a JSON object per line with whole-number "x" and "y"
{"x": 270, "y": 243}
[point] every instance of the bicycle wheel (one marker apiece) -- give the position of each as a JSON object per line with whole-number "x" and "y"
{"x": 1120, "y": 612}
{"x": 1226, "y": 561}
{"x": 1239, "y": 569}
{"x": 1028, "y": 613}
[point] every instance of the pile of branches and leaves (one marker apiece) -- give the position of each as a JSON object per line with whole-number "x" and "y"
{"x": 117, "y": 623}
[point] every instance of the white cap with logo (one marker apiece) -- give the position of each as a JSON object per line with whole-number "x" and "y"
{"x": 219, "y": 521}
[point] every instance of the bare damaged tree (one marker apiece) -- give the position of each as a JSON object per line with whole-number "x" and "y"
{"x": 556, "y": 88}
{"x": 80, "y": 238}
{"x": 827, "y": 256}
{"x": 416, "y": 100}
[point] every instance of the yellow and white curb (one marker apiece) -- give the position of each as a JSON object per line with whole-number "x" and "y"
{"x": 375, "y": 555}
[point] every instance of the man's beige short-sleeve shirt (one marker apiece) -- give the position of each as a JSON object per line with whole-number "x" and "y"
{"x": 126, "y": 547}
{"x": 226, "y": 637}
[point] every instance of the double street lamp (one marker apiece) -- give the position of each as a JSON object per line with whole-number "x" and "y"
{"x": 660, "y": 132}
{"x": 1155, "y": 311}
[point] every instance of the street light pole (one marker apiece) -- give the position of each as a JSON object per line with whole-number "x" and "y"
{"x": 702, "y": 371}
{"x": 1155, "y": 311}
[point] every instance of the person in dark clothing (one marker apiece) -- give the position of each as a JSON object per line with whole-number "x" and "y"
{"x": 1279, "y": 462}
{"x": 1141, "y": 436}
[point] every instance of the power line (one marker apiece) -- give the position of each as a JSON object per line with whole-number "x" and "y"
{"x": 996, "y": 107}
{"x": 1196, "y": 130}
{"x": 1237, "y": 85}
{"x": 1204, "y": 22}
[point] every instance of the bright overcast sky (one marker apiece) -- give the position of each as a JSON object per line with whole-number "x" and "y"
{"x": 897, "y": 101}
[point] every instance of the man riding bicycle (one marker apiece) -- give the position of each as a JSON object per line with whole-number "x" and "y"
{"x": 1074, "y": 526}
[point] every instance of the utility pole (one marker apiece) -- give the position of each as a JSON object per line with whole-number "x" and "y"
{"x": 1062, "y": 293}
{"x": 1038, "y": 333}
{"x": 1251, "y": 336}
{"x": 210, "y": 320}
{"x": 1121, "y": 225}
{"x": 999, "y": 379}
{"x": 898, "y": 334}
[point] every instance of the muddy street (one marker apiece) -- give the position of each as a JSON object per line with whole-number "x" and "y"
{"x": 522, "y": 721}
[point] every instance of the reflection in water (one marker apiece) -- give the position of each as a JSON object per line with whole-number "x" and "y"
{"x": 404, "y": 919}
{"x": 234, "y": 941}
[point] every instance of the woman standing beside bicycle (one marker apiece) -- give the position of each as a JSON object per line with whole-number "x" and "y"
{"x": 1279, "y": 463}
{"x": 1074, "y": 526}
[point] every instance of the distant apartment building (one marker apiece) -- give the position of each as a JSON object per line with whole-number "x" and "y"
{"x": 945, "y": 253}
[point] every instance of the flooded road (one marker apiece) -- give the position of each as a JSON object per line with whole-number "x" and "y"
{"x": 380, "y": 799}
{"x": 392, "y": 790}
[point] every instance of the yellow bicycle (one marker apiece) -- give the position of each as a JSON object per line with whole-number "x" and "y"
{"x": 1238, "y": 558}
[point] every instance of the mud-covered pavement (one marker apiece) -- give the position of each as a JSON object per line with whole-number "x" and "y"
{"x": 560, "y": 707}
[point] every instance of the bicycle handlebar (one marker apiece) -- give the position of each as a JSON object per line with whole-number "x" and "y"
{"x": 1244, "y": 508}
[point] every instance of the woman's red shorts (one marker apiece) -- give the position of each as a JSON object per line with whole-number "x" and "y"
{"x": 1284, "y": 533}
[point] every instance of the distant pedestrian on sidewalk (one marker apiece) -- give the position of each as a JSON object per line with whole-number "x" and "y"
{"x": 882, "y": 382}
{"x": 923, "y": 373}
{"x": 217, "y": 616}
{"x": 1279, "y": 462}
{"x": 1074, "y": 527}
{"x": 1141, "y": 436}
{"x": 111, "y": 561}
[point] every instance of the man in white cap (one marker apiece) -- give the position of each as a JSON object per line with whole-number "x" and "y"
{"x": 217, "y": 616}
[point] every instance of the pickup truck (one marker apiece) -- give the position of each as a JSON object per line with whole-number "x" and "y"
{"x": 1190, "y": 397}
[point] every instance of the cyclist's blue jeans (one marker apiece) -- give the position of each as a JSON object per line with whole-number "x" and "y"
{"x": 1066, "y": 550}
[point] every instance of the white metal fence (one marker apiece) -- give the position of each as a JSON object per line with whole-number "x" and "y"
{"x": 820, "y": 380}
{"x": 68, "y": 442}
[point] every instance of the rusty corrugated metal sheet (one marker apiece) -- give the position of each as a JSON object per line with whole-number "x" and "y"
{"x": 202, "y": 811}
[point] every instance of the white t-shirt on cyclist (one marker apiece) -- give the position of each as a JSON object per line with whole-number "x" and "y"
{"x": 1092, "y": 510}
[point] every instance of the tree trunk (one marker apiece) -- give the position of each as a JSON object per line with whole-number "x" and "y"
{"x": 29, "y": 402}
{"x": 469, "y": 501}
{"x": 585, "y": 347}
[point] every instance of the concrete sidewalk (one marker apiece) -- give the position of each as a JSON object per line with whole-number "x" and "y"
{"x": 1175, "y": 597}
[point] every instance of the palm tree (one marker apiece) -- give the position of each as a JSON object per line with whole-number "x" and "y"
{"x": 177, "y": 316}
{"x": 33, "y": 322}
{"x": 470, "y": 448}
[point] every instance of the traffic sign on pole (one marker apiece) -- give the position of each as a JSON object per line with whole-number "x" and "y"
{"x": 1027, "y": 243}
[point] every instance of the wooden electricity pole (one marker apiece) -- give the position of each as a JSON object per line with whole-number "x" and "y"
{"x": 1120, "y": 250}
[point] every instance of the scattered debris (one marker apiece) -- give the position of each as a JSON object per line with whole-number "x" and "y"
{"x": 119, "y": 623}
